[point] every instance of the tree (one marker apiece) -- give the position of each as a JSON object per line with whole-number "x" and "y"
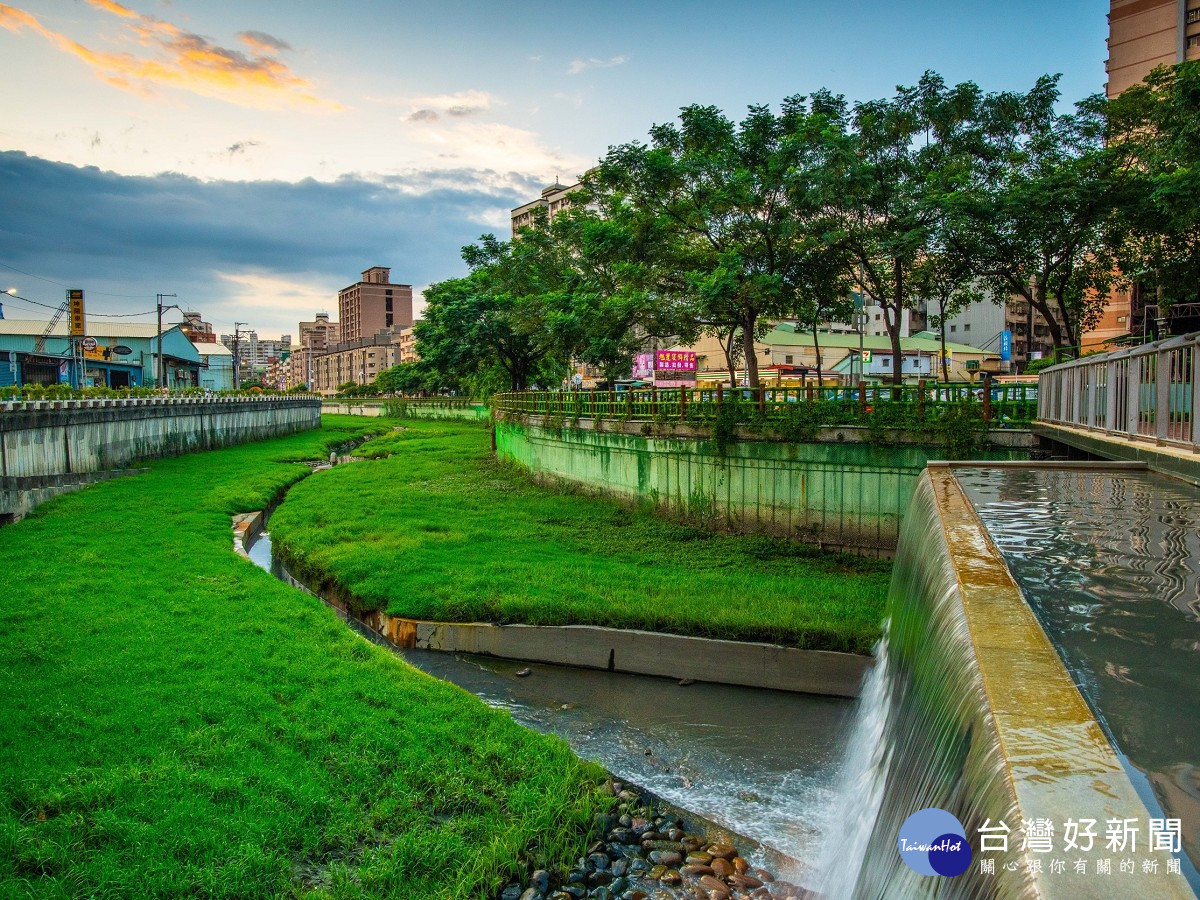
{"x": 403, "y": 378}
{"x": 947, "y": 279}
{"x": 1153, "y": 142}
{"x": 1036, "y": 223}
{"x": 881, "y": 162}
{"x": 716, "y": 195}
{"x": 490, "y": 318}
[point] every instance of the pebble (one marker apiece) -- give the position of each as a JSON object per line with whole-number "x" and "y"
{"x": 644, "y": 857}
{"x": 524, "y": 673}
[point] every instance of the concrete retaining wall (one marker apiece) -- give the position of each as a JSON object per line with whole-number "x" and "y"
{"x": 45, "y": 446}
{"x": 841, "y": 495}
{"x": 412, "y": 409}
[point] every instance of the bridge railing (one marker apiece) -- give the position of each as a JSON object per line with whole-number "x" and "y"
{"x": 1009, "y": 405}
{"x": 1140, "y": 393}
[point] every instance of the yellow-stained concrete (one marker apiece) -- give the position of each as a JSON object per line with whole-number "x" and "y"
{"x": 1059, "y": 759}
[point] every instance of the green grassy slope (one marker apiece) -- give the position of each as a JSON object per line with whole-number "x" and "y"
{"x": 175, "y": 722}
{"x": 440, "y": 530}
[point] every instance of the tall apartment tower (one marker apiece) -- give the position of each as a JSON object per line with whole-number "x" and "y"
{"x": 320, "y": 334}
{"x": 373, "y": 304}
{"x": 1143, "y": 34}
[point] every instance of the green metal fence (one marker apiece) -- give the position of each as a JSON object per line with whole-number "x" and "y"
{"x": 1007, "y": 405}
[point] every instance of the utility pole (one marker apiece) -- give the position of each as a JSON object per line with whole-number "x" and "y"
{"x": 162, "y": 368}
{"x": 237, "y": 363}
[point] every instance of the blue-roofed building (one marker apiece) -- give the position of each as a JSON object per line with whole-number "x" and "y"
{"x": 23, "y": 362}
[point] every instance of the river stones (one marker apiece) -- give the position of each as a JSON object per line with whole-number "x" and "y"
{"x": 671, "y": 878}
{"x": 512, "y": 892}
{"x": 698, "y": 858}
{"x": 723, "y": 851}
{"x": 531, "y": 894}
{"x": 665, "y": 857}
{"x": 739, "y": 865}
{"x": 695, "y": 871}
{"x": 722, "y": 867}
{"x": 717, "y": 889}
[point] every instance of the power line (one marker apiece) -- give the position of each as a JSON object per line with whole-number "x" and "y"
{"x": 60, "y": 284}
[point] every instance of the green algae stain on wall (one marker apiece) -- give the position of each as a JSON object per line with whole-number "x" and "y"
{"x": 840, "y": 496}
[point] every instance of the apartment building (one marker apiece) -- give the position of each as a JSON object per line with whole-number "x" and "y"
{"x": 373, "y": 304}
{"x": 1143, "y": 34}
{"x": 358, "y": 361}
{"x": 554, "y": 198}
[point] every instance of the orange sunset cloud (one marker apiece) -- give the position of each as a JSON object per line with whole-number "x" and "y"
{"x": 183, "y": 60}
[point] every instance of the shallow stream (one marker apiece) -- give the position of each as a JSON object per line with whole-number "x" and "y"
{"x": 761, "y": 764}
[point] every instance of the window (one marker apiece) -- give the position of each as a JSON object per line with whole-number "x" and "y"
{"x": 1193, "y": 16}
{"x": 388, "y": 292}
{"x": 954, "y": 328}
{"x": 876, "y": 317}
{"x": 1193, "y": 41}
{"x": 787, "y": 359}
{"x": 967, "y": 327}
{"x": 387, "y": 304}
{"x": 388, "y": 320}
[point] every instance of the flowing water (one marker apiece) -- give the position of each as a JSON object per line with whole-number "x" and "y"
{"x": 1110, "y": 563}
{"x": 760, "y": 763}
{"x": 921, "y": 737}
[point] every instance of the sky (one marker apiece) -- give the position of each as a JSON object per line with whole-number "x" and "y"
{"x": 253, "y": 157}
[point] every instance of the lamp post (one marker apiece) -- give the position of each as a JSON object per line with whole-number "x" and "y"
{"x": 162, "y": 368}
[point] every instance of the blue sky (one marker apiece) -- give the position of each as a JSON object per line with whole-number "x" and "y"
{"x": 253, "y": 157}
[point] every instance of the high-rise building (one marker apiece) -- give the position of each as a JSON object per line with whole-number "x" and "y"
{"x": 373, "y": 304}
{"x": 320, "y": 334}
{"x": 1143, "y": 34}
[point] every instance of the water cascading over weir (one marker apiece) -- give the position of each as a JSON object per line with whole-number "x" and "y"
{"x": 970, "y": 709}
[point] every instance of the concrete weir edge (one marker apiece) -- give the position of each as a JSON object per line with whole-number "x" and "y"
{"x": 1059, "y": 760}
{"x": 742, "y": 663}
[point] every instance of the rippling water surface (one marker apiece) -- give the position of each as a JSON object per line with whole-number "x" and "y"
{"x": 1110, "y": 562}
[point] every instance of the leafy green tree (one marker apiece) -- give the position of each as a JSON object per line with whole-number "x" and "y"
{"x": 1035, "y": 224}
{"x": 715, "y": 194}
{"x": 881, "y": 162}
{"x": 1153, "y": 142}
{"x": 403, "y": 378}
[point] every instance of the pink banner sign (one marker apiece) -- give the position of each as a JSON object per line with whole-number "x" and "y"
{"x": 675, "y": 361}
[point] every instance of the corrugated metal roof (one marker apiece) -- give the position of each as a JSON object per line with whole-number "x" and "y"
{"x": 95, "y": 329}
{"x": 212, "y": 349}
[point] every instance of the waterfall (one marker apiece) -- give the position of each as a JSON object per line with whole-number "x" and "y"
{"x": 923, "y": 737}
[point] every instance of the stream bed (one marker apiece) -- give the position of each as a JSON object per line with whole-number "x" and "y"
{"x": 761, "y": 765}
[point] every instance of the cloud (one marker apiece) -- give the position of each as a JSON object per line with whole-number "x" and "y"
{"x": 422, "y": 115}
{"x": 230, "y": 248}
{"x": 582, "y": 65}
{"x": 262, "y": 42}
{"x": 183, "y": 60}
{"x": 240, "y": 147}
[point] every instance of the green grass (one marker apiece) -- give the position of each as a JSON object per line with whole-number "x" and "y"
{"x": 175, "y": 722}
{"x": 440, "y": 530}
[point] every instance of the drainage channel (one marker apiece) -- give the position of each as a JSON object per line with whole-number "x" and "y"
{"x": 757, "y": 766}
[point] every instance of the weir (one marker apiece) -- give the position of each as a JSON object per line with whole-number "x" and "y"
{"x": 971, "y": 709}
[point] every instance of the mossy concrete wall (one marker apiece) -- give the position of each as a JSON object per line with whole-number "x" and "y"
{"x": 412, "y": 409}
{"x": 840, "y": 496}
{"x": 48, "y": 447}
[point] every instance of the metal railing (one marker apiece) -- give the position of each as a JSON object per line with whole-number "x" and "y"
{"x": 1140, "y": 393}
{"x": 1008, "y": 405}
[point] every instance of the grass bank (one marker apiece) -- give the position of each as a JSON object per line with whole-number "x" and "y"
{"x": 175, "y": 722}
{"x": 440, "y": 530}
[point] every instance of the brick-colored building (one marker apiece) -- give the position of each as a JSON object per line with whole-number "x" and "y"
{"x": 358, "y": 361}
{"x": 1142, "y": 34}
{"x": 372, "y": 304}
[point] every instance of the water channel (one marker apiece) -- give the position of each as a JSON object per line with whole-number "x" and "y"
{"x": 1110, "y": 563}
{"x": 759, "y": 764}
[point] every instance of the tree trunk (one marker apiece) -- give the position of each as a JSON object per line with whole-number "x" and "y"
{"x": 1039, "y": 302}
{"x": 727, "y": 345}
{"x": 893, "y": 324}
{"x": 817, "y": 350}
{"x": 748, "y": 345}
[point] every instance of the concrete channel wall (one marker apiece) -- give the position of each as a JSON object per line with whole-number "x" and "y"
{"x": 411, "y": 409}
{"x": 51, "y": 447}
{"x": 839, "y": 493}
